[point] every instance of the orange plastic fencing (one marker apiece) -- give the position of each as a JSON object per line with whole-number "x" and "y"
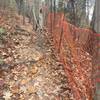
{"x": 64, "y": 33}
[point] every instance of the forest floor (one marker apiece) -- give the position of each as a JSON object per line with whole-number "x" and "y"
{"x": 29, "y": 70}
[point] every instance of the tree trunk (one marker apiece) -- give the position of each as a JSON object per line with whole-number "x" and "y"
{"x": 54, "y": 11}
{"x": 96, "y": 24}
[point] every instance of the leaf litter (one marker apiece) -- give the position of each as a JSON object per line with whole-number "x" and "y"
{"x": 21, "y": 78}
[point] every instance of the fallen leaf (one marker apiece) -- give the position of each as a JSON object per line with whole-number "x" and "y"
{"x": 34, "y": 70}
{"x": 7, "y": 95}
{"x": 1, "y": 93}
{"x": 24, "y": 81}
{"x": 15, "y": 89}
{"x": 1, "y": 82}
{"x": 23, "y": 89}
{"x": 31, "y": 89}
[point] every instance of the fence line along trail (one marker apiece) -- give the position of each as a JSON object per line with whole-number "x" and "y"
{"x": 47, "y": 51}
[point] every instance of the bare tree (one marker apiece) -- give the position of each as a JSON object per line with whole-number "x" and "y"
{"x": 96, "y": 27}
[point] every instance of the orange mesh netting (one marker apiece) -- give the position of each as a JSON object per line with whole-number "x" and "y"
{"x": 79, "y": 73}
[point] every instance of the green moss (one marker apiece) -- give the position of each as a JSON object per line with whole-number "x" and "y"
{"x": 1, "y": 61}
{"x": 2, "y": 33}
{"x": 2, "y": 30}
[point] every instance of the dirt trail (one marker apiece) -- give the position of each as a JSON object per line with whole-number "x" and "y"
{"x": 36, "y": 74}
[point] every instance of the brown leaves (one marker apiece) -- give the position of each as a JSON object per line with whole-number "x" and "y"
{"x": 31, "y": 89}
{"x": 1, "y": 82}
{"x": 78, "y": 63}
{"x": 24, "y": 81}
{"x": 43, "y": 80}
{"x": 15, "y": 89}
{"x": 34, "y": 70}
